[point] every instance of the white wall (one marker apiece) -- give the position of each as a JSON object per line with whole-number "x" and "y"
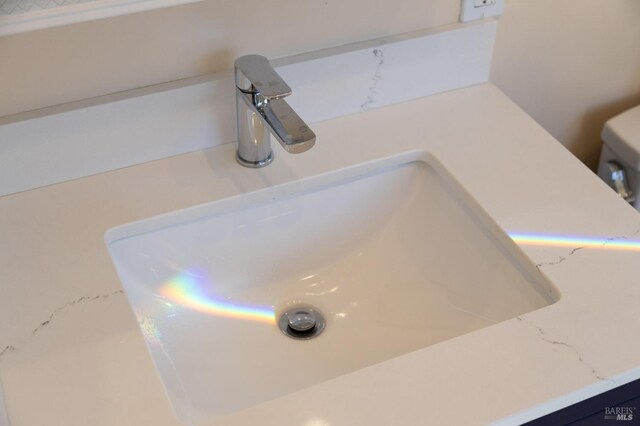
{"x": 570, "y": 64}
{"x": 79, "y": 61}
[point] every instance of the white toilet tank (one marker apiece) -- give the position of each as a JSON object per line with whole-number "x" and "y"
{"x": 620, "y": 157}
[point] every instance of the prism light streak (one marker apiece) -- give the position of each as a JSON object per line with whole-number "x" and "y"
{"x": 573, "y": 242}
{"x": 186, "y": 289}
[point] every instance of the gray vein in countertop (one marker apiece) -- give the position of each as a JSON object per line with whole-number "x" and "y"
{"x": 11, "y": 348}
{"x": 379, "y": 54}
{"x": 543, "y": 336}
{"x": 560, "y": 258}
{"x": 7, "y": 348}
{"x": 625, "y": 237}
{"x": 622, "y": 237}
{"x": 73, "y": 302}
{"x": 573, "y": 251}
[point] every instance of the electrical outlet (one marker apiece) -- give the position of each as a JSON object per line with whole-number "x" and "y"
{"x": 477, "y": 9}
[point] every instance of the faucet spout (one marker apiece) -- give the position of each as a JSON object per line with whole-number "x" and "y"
{"x": 262, "y": 112}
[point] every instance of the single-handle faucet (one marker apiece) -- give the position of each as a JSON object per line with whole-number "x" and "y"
{"x": 261, "y": 111}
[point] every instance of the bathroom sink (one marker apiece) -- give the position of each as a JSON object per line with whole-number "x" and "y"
{"x": 394, "y": 255}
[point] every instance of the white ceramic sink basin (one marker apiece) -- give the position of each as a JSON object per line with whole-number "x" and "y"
{"x": 394, "y": 255}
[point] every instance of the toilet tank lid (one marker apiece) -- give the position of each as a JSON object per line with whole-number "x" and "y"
{"x": 622, "y": 135}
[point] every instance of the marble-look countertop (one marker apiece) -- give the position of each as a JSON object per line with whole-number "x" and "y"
{"x": 71, "y": 352}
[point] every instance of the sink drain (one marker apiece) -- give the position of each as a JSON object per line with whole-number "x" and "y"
{"x": 301, "y": 323}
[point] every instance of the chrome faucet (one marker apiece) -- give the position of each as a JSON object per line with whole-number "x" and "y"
{"x": 262, "y": 111}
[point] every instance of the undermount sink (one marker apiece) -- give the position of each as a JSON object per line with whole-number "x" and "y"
{"x": 394, "y": 255}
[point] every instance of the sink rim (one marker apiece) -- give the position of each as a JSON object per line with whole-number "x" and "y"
{"x": 226, "y": 204}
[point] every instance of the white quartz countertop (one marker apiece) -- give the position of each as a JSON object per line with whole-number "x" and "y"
{"x": 71, "y": 352}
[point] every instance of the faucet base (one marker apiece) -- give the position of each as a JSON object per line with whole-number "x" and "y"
{"x": 254, "y": 164}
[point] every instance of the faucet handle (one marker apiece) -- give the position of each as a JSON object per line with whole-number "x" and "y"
{"x": 254, "y": 74}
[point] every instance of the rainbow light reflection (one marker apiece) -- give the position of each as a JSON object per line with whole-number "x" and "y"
{"x": 574, "y": 242}
{"x": 188, "y": 289}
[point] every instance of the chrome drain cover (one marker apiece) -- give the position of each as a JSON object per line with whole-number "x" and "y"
{"x": 301, "y": 322}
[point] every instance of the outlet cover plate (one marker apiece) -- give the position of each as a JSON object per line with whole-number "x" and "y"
{"x": 471, "y": 10}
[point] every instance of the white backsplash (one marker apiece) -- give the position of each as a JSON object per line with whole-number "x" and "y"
{"x": 80, "y": 140}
